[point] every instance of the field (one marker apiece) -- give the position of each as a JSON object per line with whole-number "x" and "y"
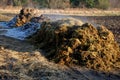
{"x": 20, "y": 60}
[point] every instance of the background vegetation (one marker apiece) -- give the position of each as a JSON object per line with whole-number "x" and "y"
{"x": 101, "y": 4}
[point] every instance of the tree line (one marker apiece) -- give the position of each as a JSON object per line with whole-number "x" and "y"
{"x": 62, "y": 4}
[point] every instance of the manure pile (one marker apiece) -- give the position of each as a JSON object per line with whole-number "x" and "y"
{"x": 25, "y": 16}
{"x": 69, "y": 41}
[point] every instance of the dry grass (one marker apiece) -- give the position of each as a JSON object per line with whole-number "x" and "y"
{"x": 80, "y": 12}
{"x": 5, "y": 18}
{"x": 25, "y": 66}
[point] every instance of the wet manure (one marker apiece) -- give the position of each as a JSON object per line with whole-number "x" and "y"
{"x": 69, "y": 41}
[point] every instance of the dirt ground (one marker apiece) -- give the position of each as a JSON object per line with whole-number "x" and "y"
{"x": 19, "y": 60}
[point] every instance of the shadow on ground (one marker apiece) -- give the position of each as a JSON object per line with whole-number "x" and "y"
{"x": 15, "y": 44}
